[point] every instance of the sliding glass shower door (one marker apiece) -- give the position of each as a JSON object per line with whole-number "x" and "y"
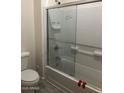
{"x": 75, "y": 41}
{"x": 61, "y": 37}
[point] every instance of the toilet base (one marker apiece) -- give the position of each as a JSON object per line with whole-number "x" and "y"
{"x": 34, "y": 88}
{"x": 30, "y": 88}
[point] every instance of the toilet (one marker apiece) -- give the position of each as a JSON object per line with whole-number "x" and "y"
{"x": 29, "y": 77}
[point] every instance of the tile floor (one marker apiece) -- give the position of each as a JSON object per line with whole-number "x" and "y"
{"x": 45, "y": 87}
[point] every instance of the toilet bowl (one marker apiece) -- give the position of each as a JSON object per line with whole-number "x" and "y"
{"x": 29, "y": 77}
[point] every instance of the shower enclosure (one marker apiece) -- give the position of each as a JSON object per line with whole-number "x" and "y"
{"x": 74, "y": 41}
{"x": 61, "y": 37}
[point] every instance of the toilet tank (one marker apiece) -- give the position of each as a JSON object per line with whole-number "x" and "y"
{"x": 24, "y": 60}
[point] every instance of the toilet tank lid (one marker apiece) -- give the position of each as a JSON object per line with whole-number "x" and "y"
{"x": 25, "y": 54}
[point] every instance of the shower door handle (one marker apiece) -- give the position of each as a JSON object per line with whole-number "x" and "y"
{"x": 96, "y": 52}
{"x": 82, "y": 51}
{"x": 74, "y": 48}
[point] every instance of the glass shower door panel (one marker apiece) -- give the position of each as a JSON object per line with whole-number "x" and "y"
{"x": 89, "y": 44}
{"x": 88, "y": 67}
{"x": 61, "y": 36}
{"x": 89, "y": 24}
{"x": 62, "y": 24}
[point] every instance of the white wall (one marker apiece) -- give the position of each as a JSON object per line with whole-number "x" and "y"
{"x": 28, "y": 29}
{"x": 38, "y": 34}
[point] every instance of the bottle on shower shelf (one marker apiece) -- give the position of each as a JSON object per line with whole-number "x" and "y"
{"x": 56, "y": 47}
{"x": 58, "y": 60}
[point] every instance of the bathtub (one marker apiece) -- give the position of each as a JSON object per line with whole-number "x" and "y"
{"x": 60, "y": 80}
{"x": 66, "y": 83}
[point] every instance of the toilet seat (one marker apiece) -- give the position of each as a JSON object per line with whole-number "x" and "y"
{"x": 29, "y": 77}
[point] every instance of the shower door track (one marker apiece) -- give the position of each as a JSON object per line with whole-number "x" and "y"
{"x": 73, "y": 3}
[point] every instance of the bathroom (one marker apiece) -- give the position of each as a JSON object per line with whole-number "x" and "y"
{"x": 61, "y": 46}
